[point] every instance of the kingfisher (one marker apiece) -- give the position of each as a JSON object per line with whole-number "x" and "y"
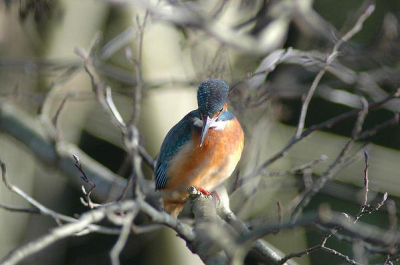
{"x": 201, "y": 150}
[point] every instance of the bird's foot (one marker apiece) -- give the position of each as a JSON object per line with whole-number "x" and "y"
{"x": 205, "y": 192}
{"x": 214, "y": 194}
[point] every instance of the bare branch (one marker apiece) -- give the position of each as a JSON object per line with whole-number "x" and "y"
{"x": 269, "y": 255}
{"x": 117, "y": 43}
{"x": 294, "y": 170}
{"x": 43, "y": 210}
{"x": 33, "y": 134}
{"x": 366, "y": 180}
{"x": 364, "y": 209}
{"x": 185, "y": 15}
{"x": 300, "y": 134}
{"x": 88, "y": 201}
{"x": 137, "y": 91}
{"x": 392, "y": 228}
{"x": 102, "y": 93}
{"x": 329, "y": 219}
{"x": 61, "y": 232}
{"x": 129, "y": 131}
{"x": 320, "y": 246}
{"x": 371, "y": 132}
{"x": 123, "y": 237}
{"x": 326, "y": 124}
{"x": 331, "y": 57}
{"x": 327, "y": 175}
{"x": 20, "y": 209}
{"x": 59, "y": 109}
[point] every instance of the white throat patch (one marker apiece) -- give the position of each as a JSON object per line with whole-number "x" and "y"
{"x": 217, "y": 125}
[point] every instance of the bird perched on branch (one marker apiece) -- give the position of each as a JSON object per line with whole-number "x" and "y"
{"x": 201, "y": 150}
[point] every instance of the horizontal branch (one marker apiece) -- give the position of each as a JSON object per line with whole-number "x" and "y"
{"x": 329, "y": 219}
{"x": 32, "y": 133}
{"x": 326, "y": 124}
{"x": 189, "y": 17}
{"x": 62, "y": 232}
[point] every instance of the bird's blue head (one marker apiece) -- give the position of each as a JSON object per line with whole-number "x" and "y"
{"x": 211, "y": 98}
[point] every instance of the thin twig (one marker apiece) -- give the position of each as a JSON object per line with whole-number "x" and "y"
{"x": 85, "y": 224}
{"x": 123, "y": 237}
{"x": 329, "y": 219}
{"x": 360, "y": 120}
{"x": 331, "y": 57}
{"x": 88, "y": 201}
{"x": 326, "y": 124}
{"x": 320, "y": 246}
{"x": 61, "y": 232}
{"x": 43, "y": 210}
{"x": 391, "y": 206}
{"x": 129, "y": 131}
{"x": 280, "y": 215}
{"x": 371, "y": 132}
{"x": 300, "y": 133}
{"x": 113, "y": 109}
{"x": 137, "y": 91}
{"x": 364, "y": 209}
{"x": 366, "y": 180}
{"x": 19, "y": 209}
{"x": 125, "y": 190}
{"x": 307, "y": 100}
{"x": 327, "y": 175}
{"x": 59, "y": 109}
{"x": 118, "y": 42}
{"x": 133, "y": 136}
{"x": 297, "y": 169}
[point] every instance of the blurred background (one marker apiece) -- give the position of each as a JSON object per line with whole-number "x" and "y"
{"x": 179, "y": 44}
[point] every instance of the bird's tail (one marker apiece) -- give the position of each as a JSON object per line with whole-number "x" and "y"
{"x": 173, "y": 207}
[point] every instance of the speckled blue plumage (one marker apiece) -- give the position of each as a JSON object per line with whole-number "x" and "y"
{"x": 177, "y": 137}
{"x": 212, "y": 95}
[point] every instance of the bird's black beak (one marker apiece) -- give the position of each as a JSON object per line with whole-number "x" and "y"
{"x": 207, "y": 121}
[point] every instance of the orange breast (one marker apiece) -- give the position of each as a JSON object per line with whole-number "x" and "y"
{"x": 207, "y": 166}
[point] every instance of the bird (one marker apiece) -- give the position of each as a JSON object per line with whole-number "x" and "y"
{"x": 201, "y": 150}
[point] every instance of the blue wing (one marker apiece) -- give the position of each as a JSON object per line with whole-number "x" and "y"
{"x": 177, "y": 137}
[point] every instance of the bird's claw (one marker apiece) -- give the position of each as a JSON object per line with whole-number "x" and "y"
{"x": 205, "y": 192}
{"x": 214, "y": 194}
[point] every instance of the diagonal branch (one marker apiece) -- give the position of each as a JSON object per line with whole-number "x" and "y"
{"x": 326, "y": 124}
{"x": 331, "y": 57}
{"x": 328, "y": 174}
{"x": 61, "y": 232}
{"x": 43, "y": 210}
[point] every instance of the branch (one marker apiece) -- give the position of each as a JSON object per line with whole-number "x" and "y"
{"x": 64, "y": 231}
{"x": 187, "y": 16}
{"x": 331, "y": 57}
{"x": 300, "y": 134}
{"x": 210, "y": 235}
{"x": 329, "y": 219}
{"x": 326, "y": 124}
{"x": 123, "y": 237}
{"x": 269, "y": 255}
{"x": 129, "y": 131}
{"x": 364, "y": 209}
{"x": 84, "y": 225}
{"x": 33, "y": 134}
{"x": 328, "y": 174}
{"x": 18, "y": 209}
{"x": 43, "y": 210}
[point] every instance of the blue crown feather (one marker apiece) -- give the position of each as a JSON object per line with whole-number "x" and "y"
{"x": 212, "y": 95}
